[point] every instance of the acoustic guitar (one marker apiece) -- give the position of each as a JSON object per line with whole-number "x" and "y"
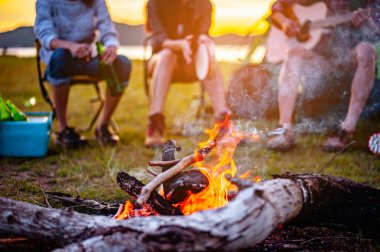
{"x": 314, "y": 20}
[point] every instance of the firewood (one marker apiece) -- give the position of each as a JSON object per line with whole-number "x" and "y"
{"x": 133, "y": 186}
{"x": 245, "y": 221}
{"x": 164, "y": 163}
{"x": 184, "y": 163}
{"x": 85, "y": 205}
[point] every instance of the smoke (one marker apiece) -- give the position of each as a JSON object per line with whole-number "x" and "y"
{"x": 323, "y": 80}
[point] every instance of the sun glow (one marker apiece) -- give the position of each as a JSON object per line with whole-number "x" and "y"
{"x": 238, "y": 16}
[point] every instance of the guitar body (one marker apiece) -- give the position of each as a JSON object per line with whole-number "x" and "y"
{"x": 278, "y": 44}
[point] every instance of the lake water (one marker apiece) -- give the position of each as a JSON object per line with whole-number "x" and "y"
{"x": 225, "y": 53}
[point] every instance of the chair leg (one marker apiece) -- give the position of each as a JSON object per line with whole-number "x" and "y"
{"x": 201, "y": 108}
{"x": 100, "y": 98}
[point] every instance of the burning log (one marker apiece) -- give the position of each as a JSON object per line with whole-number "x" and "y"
{"x": 245, "y": 221}
{"x": 133, "y": 187}
{"x": 184, "y": 163}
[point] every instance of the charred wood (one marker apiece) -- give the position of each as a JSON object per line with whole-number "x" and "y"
{"x": 133, "y": 186}
{"x": 337, "y": 203}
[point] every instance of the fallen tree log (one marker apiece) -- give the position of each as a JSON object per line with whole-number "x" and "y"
{"x": 245, "y": 221}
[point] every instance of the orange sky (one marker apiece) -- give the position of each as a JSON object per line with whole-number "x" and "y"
{"x": 231, "y": 16}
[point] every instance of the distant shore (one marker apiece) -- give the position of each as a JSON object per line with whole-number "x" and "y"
{"x": 224, "y": 53}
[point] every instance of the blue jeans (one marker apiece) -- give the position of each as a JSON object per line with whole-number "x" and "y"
{"x": 63, "y": 66}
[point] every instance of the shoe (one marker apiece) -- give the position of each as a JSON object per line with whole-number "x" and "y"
{"x": 105, "y": 136}
{"x": 282, "y": 139}
{"x": 338, "y": 141}
{"x": 155, "y": 131}
{"x": 69, "y": 138}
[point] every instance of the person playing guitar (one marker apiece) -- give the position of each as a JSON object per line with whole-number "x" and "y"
{"x": 340, "y": 52}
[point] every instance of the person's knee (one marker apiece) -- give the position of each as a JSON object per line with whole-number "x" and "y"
{"x": 125, "y": 66}
{"x": 365, "y": 55}
{"x": 167, "y": 56}
{"x": 60, "y": 62}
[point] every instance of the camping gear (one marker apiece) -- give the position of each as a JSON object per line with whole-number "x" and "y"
{"x": 26, "y": 138}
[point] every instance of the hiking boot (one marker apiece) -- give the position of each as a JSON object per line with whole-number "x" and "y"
{"x": 282, "y": 139}
{"x": 338, "y": 141}
{"x": 69, "y": 138}
{"x": 155, "y": 131}
{"x": 105, "y": 136}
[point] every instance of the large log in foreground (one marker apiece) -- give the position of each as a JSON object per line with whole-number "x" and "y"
{"x": 245, "y": 221}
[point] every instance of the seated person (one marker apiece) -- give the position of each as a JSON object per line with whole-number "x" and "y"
{"x": 177, "y": 28}
{"x": 334, "y": 53}
{"x": 67, "y": 31}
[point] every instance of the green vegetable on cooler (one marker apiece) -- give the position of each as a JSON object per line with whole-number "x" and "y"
{"x": 5, "y": 115}
{"x": 16, "y": 113}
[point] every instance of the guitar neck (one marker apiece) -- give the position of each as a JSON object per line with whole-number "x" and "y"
{"x": 331, "y": 21}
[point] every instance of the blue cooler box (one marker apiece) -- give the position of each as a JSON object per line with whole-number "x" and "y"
{"x": 26, "y": 138}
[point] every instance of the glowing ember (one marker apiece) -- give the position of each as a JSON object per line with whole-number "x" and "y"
{"x": 128, "y": 210}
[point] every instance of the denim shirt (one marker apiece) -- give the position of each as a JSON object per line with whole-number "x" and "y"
{"x": 72, "y": 20}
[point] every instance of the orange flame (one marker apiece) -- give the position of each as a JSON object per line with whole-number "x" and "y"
{"x": 216, "y": 166}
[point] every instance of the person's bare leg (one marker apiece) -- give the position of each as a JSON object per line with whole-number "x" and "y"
{"x": 162, "y": 75}
{"x": 362, "y": 84}
{"x": 287, "y": 92}
{"x": 361, "y": 87}
{"x": 215, "y": 89}
{"x": 110, "y": 104}
{"x": 288, "y": 82}
{"x": 61, "y": 96}
{"x": 162, "y": 70}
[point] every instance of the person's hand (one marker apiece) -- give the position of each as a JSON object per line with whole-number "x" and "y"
{"x": 109, "y": 55}
{"x": 204, "y": 39}
{"x": 80, "y": 50}
{"x": 185, "y": 46}
{"x": 291, "y": 28}
{"x": 359, "y": 17}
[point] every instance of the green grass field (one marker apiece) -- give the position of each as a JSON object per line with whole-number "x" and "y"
{"x": 90, "y": 172}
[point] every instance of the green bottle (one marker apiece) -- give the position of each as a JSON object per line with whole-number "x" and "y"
{"x": 108, "y": 73}
{"x": 5, "y": 115}
{"x": 16, "y": 113}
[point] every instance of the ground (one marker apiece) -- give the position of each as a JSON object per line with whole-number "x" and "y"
{"x": 90, "y": 172}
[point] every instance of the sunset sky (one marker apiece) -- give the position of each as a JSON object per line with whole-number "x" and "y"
{"x": 231, "y": 16}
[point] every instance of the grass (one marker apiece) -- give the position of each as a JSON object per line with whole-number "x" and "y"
{"x": 90, "y": 172}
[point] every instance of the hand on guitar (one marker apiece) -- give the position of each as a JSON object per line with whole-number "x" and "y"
{"x": 291, "y": 28}
{"x": 359, "y": 17}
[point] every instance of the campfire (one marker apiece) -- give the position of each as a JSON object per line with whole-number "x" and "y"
{"x": 210, "y": 187}
{"x": 240, "y": 212}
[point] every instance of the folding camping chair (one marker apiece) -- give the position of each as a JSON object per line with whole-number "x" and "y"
{"x": 79, "y": 79}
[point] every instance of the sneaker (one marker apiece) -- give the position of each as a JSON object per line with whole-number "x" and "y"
{"x": 69, "y": 138}
{"x": 338, "y": 141}
{"x": 105, "y": 136}
{"x": 155, "y": 131}
{"x": 282, "y": 139}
